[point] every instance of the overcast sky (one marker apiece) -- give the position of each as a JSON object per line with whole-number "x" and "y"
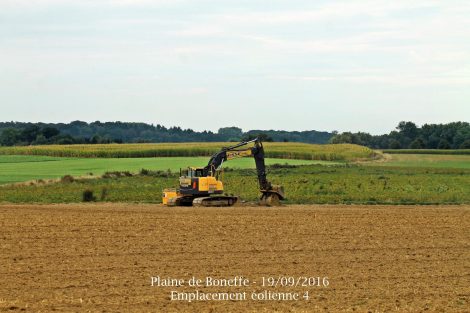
{"x": 293, "y": 65}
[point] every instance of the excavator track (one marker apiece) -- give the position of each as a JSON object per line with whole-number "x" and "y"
{"x": 217, "y": 201}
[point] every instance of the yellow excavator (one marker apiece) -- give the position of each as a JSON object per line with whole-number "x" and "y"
{"x": 200, "y": 186}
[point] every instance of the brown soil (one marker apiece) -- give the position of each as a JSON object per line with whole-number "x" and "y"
{"x": 100, "y": 257}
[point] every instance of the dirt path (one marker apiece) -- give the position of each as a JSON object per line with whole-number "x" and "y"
{"x": 100, "y": 258}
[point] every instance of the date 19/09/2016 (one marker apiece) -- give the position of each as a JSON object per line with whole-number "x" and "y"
{"x": 240, "y": 281}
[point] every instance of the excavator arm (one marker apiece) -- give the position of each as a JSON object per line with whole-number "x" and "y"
{"x": 269, "y": 191}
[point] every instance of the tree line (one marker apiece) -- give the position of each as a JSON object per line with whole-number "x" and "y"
{"x": 79, "y": 132}
{"x": 408, "y": 135}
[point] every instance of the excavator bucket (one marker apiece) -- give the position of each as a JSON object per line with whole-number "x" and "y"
{"x": 272, "y": 196}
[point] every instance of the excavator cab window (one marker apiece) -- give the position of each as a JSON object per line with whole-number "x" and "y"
{"x": 193, "y": 172}
{"x": 190, "y": 172}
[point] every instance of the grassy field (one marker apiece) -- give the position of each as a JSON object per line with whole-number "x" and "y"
{"x": 426, "y": 161}
{"x": 427, "y": 151}
{"x": 288, "y": 150}
{"x": 303, "y": 184}
{"x": 18, "y": 168}
{"x": 395, "y": 179}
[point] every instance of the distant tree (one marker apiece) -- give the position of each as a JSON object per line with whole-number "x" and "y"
{"x": 379, "y": 142}
{"x": 230, "y": 132}
{"x": 433, "y": 141}
{"x": 50, "y": 132}
{"x": 30, "y": 133}
{"x": 95, "y": 139}
{"x": 65, "y": 140}
{"x": 359, "y": 138}
{"x": 465, "y": 144}
{"x": 346, "y": 137}
{"x": 432, "y": 136}
{"x": 83, "y": 132}
{"x": 79, "y": 123}
{"x": 40, "y": 140}
{"x": 443, "y": 144}
{"x": 455, "y": 134}
{"x": 394, "y": 144}
{"x": 9, "y": 137}
{"x": 408, "y": 129}
{"x": 418, "y": 143}
{"x": 260, "y": 136}
{"x": 462, "y": 135}
{"x": 362, "y": 138}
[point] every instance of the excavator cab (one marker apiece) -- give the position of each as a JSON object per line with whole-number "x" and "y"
{"x": 192, "y": 172}
{"x": 195, "y": 182}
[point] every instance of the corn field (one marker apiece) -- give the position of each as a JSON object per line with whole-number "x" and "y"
{"x": 336, "y": 152}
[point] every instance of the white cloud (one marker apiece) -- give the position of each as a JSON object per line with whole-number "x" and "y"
{"x": 197, "y": 31}
{"x": 228, "y": 46}
{"x": 330, "y": 11}
{"x": 401, "y": 80}
{"x": 6, "y": 4}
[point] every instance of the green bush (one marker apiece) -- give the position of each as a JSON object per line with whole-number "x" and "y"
{"x": 88, "y": 196}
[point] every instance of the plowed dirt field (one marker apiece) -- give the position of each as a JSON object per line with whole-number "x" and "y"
{"x": 101, "y": 257}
